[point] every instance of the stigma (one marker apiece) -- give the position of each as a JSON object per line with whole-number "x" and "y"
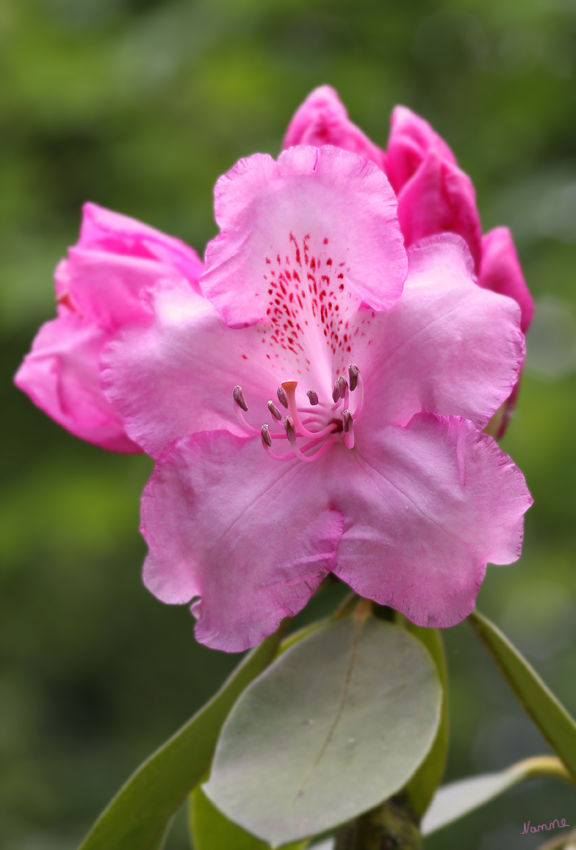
{"x": 307, "y": 432}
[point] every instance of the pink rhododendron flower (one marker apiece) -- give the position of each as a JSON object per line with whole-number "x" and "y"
{"x": 323, "y": 120}
{"x": 319, "y": 407}
{"x": 101, "y": 286}
{"x": 434, "y": 196}
{"x": 411, "y": 139}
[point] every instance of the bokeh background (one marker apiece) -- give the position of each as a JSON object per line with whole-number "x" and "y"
{"x": 139, "y": 106}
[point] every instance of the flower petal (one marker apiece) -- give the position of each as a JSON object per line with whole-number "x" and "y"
{"x": 440, "y": 198}
{"x": 104, "y": 230}
{"x": 110, "y": 289}
{"x": 251, "y": 538}
{"x": 501, "y": 272}
{"x": 315, "y": 207}
{"x": 323, "y": 120}
{"x": 411, "y": 137}
{"x": 62, "y": 377}
{"x": 426, "y": 507}
{"x": 447, "y": 346}
{"x": 175, "y": 376}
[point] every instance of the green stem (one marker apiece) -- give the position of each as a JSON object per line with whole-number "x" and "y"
{"x": 390, "y": 826}
{"x": 543, "y": 766}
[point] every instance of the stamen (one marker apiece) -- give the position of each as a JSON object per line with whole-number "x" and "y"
{"x": 353, "y": 373}
{"x": 265, "y": 434}
{"x": 239, "y": 398}
{"x": 239, "y": 406}
{"x": 289, "y": 388}
{"x": 342, "y": 385}
{"x": 359, "y": 395}
{"x": 242, "y": 420}
{"x": 290, "y": 429}
{"x": 299, "y": 452}
{"x": 339, "y": 415}
{"x": 282, "y": 397}
{"x": 348, "y": 434}
{"x": 274, "y": 411}
{"x": 269, "y": 451}
{"x": 309, "y": 458}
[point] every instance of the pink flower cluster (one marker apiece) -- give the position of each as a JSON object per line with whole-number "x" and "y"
{"x": 315, "y": 394}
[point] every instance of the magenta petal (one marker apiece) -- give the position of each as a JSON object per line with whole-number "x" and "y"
{"x": 411, "y": 137}
{"x": 61, "y": 376}
{"x": 320, "y": 211}
{"x": 427, "y": 507}
{"x": 447, "y": 346}
{"x": 111, "y": 289}
{"x": 323, "y": 120}
{"x": 104, "y": 230}
{"x": 251, "y": 538}
{"x": 175, "y": 375}
{"x": 501, "y": 272}
{"x": 440, "y": 198}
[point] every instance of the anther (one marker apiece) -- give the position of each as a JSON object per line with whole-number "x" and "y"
{"x": 336, "y": 392}
{"x": 282, "y": 397}
{"x": 266, "y": 438}
{"x": 348, "y": 431}
{"x": 312, "y": 397}
{"x": 239, "y": 398}
{"x": 274, "y": 411}
{"x": 346, "y": 420}
{"x": 290, "y": 429}
{"x": 353, "y": 372}
{"x": 342, "y": 385}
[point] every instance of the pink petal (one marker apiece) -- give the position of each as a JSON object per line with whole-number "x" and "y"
{"x": 316, "y": 210}
{"x": 227, "y": 524}
{"x": 501, "y": 272}
{"x": 323, "y": 120}
{"x": 426, "y": 507}
{"x": 411, "y": 137}
{"x": 440, "y": 198}
{"x": 104, "y": 230}
{"x": 61, "y": 375}
{"x": 445, "y": 347}
{"x": 111, "y": 289}
{"x": 175, "y": 376}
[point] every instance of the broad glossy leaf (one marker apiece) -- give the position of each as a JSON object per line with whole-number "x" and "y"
{"x": 139, "y": 814}
{"x": 211, "y": 830}
{"x": 427, "y": 778}
{"x": 556, "y": 725}
{"x": 455, "y": 800}
{"x": 336, "y": 724}
{"x": 158, "y": 841}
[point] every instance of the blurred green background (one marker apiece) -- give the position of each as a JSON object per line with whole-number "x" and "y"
{"x": 139, "y": 106}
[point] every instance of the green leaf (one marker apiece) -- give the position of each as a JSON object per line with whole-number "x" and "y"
{"x": 549, "y": 715}
{"x": 453, "y": 801}
{"x": 295, "y": 637}
{"x": 211, "y": 830}
{"x": 427, "y": 778}
{"x": 141, "y": 811}
{"x": 159, "y": 838}
{"x": 337, "y": 724}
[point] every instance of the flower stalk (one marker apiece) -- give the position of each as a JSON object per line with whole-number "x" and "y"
{"x": 390, "y": 826}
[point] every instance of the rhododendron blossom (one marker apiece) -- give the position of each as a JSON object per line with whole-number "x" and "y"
{"x": 101, "y": 286}
{"x": 318, "y": 407}
{"x": 434, "y": 195}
